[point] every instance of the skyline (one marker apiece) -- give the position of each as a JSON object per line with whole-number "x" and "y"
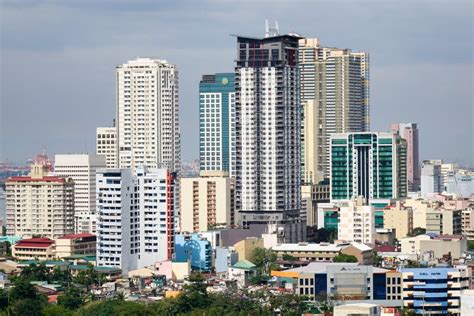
{"x": 409, "y": 71}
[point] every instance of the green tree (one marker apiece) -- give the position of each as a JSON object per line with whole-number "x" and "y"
{"x": 418, "y": 231}
{"x": 71, "y": 299}
{"x": 263, "y": 259}
{"x": 3, "y": 299}
{"x": 56, "y": 310}
{"x": 288, "y": 257}
{"x": 27, "y": 306}
{"x": 470, "y": 245}
{"x": 23, "y": 290}
{"x": 376, "y": 259}
{"x": 341, "y": 257}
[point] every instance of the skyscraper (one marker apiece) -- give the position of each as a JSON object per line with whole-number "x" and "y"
{"x": 409, "y": 132}
{"x": 147, "y": 114}
{"x": 82, "y": 169}
{"x": 335, "y": 99}
{"x": 268, "y": 126}
{"x": 368, "y": 164}
{"x": 217, "y": 123}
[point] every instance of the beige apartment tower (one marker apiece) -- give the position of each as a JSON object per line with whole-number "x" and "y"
{"x": 106, "y": 145}
{"x": 335, "y": 99}
{"x": 39, "y": 205}
{"x": 207, "y": 202}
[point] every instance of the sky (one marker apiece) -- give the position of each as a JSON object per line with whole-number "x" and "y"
{"x": 58, "y": 59}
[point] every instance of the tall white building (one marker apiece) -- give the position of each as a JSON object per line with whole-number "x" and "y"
{"x": 39, "y": 204}
{"x": 81, "y": 168}
{"x": 268, "y": 139}
{"x": 147, "y": 115}
{"x": 335, "y": 99}
{"x": 356, "y": 221}
{"x": 106, "y": 145}
{"x": 135, "y": 226}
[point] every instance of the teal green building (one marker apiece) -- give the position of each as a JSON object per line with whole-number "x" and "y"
{"x": 368, "y": 164}
{"x": 217, "y": 123}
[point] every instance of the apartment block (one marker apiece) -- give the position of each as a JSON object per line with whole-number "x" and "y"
{"x": 195, "y": 249}
{"x": 135, "y": 225}
{"x": 106, "y": 145}
{"x": 206, "y": 203}
{"x": 39, "y": 205}
{"x": 76, "y": 244}
{"x": 82, "y": 169}
{"x": 409, "y": 132}
{"x": 399, "y": 218}
{"x": 431, "y": 178}
{"x": 356, "y": 222}
{"x": 34, "y": 249}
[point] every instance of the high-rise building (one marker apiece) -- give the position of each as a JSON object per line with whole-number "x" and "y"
{"x": 409, "y": 132}
{"x": 207, "y": 202}
{"x": 335, "y": 99}
{"x": 268, "y": 132}
{"x": 217, "y": 123}
{"x": 82, "y": 169}
{"x": 106, "y": 145}
{"x": 369, "y": 164}
{"x": 431, "y": 177}
{"x": 39, "y": 205}
{"x": 147, "y": 115}
{"x": 135, "y": 225}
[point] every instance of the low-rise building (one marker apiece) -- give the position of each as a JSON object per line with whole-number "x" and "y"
{"x": 359, "y": 309}
{"x": 76, "y": 244}
{"x": 434, "y": 291}
{"x": 194, "y": 248}
{"x": 439, "y": 246}
{"x": 241, "y": 272}
{"x": 444, "y": 221}
{"x": 34, "y": 249}
{"x": 356, "y": 222}
{"x": 246, "y": 247}
{"x": 225, "y": 257}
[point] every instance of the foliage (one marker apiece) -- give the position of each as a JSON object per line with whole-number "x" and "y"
{"x": 288, "y": 257}
{"x": 376, "y": 259}
{"x": 71, "y": 299}
{"x": 418, "y": 231}
{"x": 413, "y": 264}
{"x": 89, "y": 277}
{"x": 56, "y": 310}
{"x": 324, "y": 235}
{"x": 470, "y": 245}
{"x": 262, "y": 256}
{"x": 341, "y": 257}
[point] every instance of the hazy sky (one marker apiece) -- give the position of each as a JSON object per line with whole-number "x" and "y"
{"x": 58, "y": 63}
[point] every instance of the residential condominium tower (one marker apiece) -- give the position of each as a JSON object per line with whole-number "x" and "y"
{"x": 147, "y": 114}
{"x": 39, "y": 204}
{"x": 409, "y": 132}
{"x": 106, "y": 145}
{"x": 217, "y": 123}
{"x": 135, "y": 226}
{"x": 268, "y": 139}
{"x": 81, "y": 168}
{"x": 369, "y": 164}
{"x": 335, "y": 99}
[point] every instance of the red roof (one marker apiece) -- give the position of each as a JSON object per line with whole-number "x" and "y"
{"x": 77, "y": 236}
{"x": 385, "y": 248}
{"x": 43, "y": 179}
{"x": 34, "y": 243}
{"x": 449, "y": 237}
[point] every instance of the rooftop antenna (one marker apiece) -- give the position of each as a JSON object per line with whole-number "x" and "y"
{"x": 271, "y": 31}
{"x": 267, "y": 29}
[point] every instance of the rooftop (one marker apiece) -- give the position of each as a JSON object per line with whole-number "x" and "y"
{"x": 244, "y": 264}
{"x": 321, "y": 267}
{"x": 30, "y": 179}
{"x": 34, "y": 243}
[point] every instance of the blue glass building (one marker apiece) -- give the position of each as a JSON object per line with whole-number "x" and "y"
{"x": 217, "y": 123}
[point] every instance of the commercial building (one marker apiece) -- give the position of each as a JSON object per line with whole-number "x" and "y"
{"x": 359, "y": 309}
{"x": 82, "y": 169}
{"x": 431, "y": 178}
{"x": 342, "y": 281}
{"x": 268, "y": 133}
{"x": 399, "y": 218}
{"x": 148, "y": 131}
{"x": 217, "y": 123}
{"x": 206, "y": 203}
{"x": 460, "y": 184}
{"x": 434, "y": 291}
{"x": 467, "y": 222}
{"x": 76, "y": 244}
{"x": 34, "y": 249}
{"x": 314, "y": 195}
{"x": 39, "y": 205}
{"x": 409, "y": 132}
{"x": 356, "y": 222}
{"x": 106, "y": 145}
{"x": 372, "y": 165}
{"x": 195, "y": 249}
{"x": 335, "y": 97}
{"x": 135, "y": 226}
